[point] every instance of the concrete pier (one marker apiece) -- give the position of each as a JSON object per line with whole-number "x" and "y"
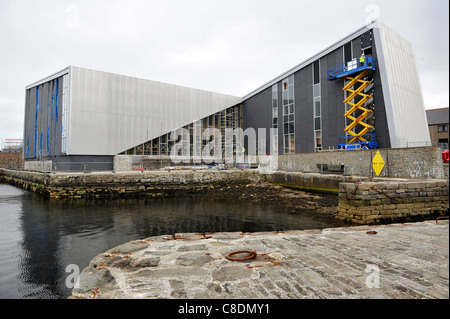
{"x": 408, "y": 260}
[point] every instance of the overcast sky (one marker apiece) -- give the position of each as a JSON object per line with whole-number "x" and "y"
{"x": 225, "y": 46}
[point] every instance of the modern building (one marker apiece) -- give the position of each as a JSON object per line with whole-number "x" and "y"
{"x": 79, "y": 115}
{"x": 11, "y": 154}
{"x": 11, "y": 145}
{"x": 438, "y": 125}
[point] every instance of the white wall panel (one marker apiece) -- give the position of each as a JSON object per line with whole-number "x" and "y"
{"x": 405, "y": 109}
{"x": 111, "y": 113}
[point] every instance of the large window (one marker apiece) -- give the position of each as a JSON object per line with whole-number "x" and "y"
{"x": 288, "y": 115}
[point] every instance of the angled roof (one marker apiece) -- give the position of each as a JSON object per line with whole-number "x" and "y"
{"x": 437, "y": 116}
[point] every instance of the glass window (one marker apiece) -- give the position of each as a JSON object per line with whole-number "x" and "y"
{"x": 316, "y": 89}
{"x": 292, "y": 143}
{"x": 318, "y": 138}
{"x": 291, "y": 128}
{"x": 285, "y": 97}
{"x": 316, "y": 72}
{"x": 288, "y": 100}
{"x": 275, "y": 112}
{"x": 291, "y": 80}
{"x": 317, "y": 108}
{"x": 317, "y": 123}
{"x": 442, "y": 128}
{"x": 291, "y": 108}
{"x": 286, "y": 143}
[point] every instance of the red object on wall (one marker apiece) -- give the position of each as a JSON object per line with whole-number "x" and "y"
{"x": 445, "y": 156}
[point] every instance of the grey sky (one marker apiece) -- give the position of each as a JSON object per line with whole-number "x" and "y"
{"x": 231, "y": 46}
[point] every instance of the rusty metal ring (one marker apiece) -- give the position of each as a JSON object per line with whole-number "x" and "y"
{"x": 251, "y": 255}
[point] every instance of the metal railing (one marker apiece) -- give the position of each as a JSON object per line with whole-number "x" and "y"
{"x": 84, "y": 167}
{"x": 350, "y": 67}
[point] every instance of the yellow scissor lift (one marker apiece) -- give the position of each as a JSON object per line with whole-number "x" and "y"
{"x": 360, "y": 102}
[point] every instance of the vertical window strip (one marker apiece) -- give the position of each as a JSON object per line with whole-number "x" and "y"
{"x": 317, "y": 107}
{"x": 288, "y": 115}
{"x": 275, "y": 116}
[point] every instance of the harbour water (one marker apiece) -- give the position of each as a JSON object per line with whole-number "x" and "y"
{"x": 40, "y": 238}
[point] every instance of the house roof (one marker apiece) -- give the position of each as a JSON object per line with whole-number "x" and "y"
{"x": 437, "y": 116}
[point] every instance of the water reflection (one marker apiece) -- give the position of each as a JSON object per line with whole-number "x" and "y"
{"x": 39, "y": 238}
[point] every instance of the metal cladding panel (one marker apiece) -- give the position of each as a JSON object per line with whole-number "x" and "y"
{"x": 110, "y": 113}
{"x": 43, "y": 122}
{"x": 405, "y": 109}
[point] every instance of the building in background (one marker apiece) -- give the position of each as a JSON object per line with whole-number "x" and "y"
{"x": 11, "y": 145}
{"x": 11, "y": 154}
{"x": 78, "y": 116}
{"x": 438, "y": 123}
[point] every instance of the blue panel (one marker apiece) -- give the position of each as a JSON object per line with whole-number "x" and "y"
{"x": 36, "y": 121}
{"x": 40, "y": 144}
{"x": 53, "y": 100}
{"x": 57, "y": 97}
{"x": 28, "y": 147}
{"x": 48, "y": 140}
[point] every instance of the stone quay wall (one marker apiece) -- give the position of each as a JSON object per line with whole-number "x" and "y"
{"x": 377, "y": 202}
{"x": 415, "y": 162}
{"x": 160, "y": 183}
{"x": 129, "y": 184}
{"x": 361, "y": 200}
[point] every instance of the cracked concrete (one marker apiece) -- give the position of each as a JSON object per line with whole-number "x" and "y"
{"x": 408, "y": 260}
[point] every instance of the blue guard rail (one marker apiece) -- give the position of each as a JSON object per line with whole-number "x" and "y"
{"x": 370, "y": 142}
{"x": 350, "y": 67}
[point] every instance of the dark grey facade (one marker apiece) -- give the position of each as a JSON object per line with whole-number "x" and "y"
{"x": 258, "y": 112}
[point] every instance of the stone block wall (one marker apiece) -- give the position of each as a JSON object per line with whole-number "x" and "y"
{"x": 11, "y": 160}
{"x": 417, "y": 162}
{"x": 311, "y": 180}
{"x": 128, "y": 163}
{"x": 126, "y": 184}
{"x": 375, "y": 202}
{"x": 39, "y": 166}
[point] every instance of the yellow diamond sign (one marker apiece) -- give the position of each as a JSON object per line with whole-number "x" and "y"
{"x": 378, "y": 163}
